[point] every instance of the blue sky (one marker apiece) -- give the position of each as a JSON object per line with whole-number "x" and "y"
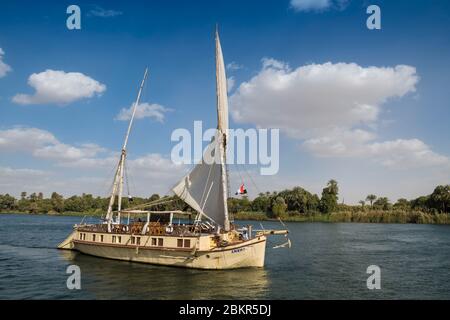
{"x": 392, "y": 138}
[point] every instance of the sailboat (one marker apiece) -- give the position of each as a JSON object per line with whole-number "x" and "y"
{"x": 211, "y": 241}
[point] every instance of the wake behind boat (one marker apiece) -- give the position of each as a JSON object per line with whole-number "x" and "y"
{"x": 211, "y": 241}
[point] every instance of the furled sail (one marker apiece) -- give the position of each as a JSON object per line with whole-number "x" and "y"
{"x": 205, "y": 187}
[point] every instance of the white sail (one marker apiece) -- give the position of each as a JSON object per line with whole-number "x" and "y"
{"x": 221, "y": 89}
{"x": 202, "y": 188}
{"x": 205, "y": 187}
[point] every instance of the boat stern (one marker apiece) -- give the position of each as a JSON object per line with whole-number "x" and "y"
{"x": 67, "y": 244}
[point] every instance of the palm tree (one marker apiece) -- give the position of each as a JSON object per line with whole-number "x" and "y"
{"x": 371, "y": 198}
{"x": 333, "y": 187}
{"x": 362, "y": 203}
{"x": 441, "y": 196}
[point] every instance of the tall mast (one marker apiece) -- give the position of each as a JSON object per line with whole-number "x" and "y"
{"x": 222, "y": 122}
{"x": 136, "y": 103}
{"x": 118, "y": 178}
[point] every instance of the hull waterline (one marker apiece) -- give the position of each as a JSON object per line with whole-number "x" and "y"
{"x": 250, "y": 253}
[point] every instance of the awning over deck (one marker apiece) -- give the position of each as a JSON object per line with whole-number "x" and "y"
{"x": 160, "y": 212}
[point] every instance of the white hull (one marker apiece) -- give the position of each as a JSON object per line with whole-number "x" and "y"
{"x": 250, "y": 253}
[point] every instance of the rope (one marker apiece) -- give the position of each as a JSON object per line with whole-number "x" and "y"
{"x": 254, "y": 183}
{"x": 153, "y": 203}
{"x": 109, "y": 190}
{"x": 108, "y": 181}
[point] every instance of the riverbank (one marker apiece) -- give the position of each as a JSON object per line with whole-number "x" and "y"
{"x": 368, "y": 216}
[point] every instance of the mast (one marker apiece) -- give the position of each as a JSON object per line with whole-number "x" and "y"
{"x": 222, "y": 122}
{"x": 118, "y": 177}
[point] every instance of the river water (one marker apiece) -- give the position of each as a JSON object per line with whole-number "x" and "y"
{"x": 326, "y": 261}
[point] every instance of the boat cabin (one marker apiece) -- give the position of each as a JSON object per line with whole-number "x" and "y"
{"x": 158, "y": 230}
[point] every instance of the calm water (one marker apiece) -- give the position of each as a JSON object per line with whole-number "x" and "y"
{"x": 327, "y": 261}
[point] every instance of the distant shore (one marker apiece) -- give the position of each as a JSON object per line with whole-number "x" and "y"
{"x": 369, "y": 216}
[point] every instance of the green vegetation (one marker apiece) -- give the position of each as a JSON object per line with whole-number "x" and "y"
{"x": 328, "y": 202}
{"x": 295, "y": 204}
{"x": 85, "y": 204}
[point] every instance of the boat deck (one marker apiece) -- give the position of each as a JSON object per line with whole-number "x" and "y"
{"x": 152, "y": 228}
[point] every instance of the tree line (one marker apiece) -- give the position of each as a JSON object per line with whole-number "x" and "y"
{"x": 298, "y": 201}
{"x": 290, "y": 202}
{"x": 86, "y": 203}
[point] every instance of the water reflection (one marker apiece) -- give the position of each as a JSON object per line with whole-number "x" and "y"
{"x": 110, "y": 279}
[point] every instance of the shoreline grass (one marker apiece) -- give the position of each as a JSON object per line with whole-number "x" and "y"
{"x": 369, "y": 216}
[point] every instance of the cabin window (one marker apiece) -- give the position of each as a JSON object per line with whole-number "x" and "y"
{"x": 120, "y": 239}
{"x": 153, "y": 241}
{"x": 187, "y": 243}
{"x": 81, "y": 236}
{"x": 101, "y": 238}
{"x": 114, "y": 239}
{"x": 133, "y": 240}
{"x": 180, "y": 243}
{"x": 160, "y": 242}
{"x": 138, "y": 241}
{"x": 84, "y": 236}
{"x": 93, "y": 237}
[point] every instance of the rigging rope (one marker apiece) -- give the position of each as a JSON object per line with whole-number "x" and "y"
{"x": 111, "y": 186}
{"x": 250, "y": 177}
{"x": 162, "y": 200}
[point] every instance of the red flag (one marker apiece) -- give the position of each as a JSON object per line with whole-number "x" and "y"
{"x": 241, "y": 190}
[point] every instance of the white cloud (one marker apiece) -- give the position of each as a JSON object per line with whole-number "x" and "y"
{"x": 4, "y": 68}
{"x": 314, "y": 98}
{"x": 326, "y": 104}
{"x": 145, "y": 175}
{"x": 97, "y": 163}
{"x": 7, "y": 172}
{"x": 399, "y": 153}
{"x": 309, "y": 5}
{"x": 233, "y": 66}
{"x": 230, "y": 83}
{"x": 73, "y": 166}
{"x": 104, "y": 13}
{"x": 13, "y": 181}
{"x": 144, "y": 110}
{"x": 273, "y": 63}
{"x": 340, "y": 143}
{"x": 43, "y": 144}
{"x": 157, "y": 166}
{"x": 318, "y": 5}
{"x": 65, "y": 152}
{"x": 406, "y": 154}
{"x": 25, "y": 139}
{"x": 59, "y": 87}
